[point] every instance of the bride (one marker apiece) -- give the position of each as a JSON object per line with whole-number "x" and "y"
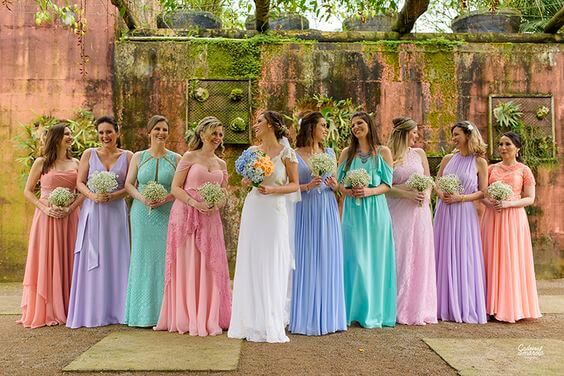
{"x": 264, "y": 257}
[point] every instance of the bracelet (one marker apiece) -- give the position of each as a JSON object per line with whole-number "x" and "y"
{"x": 307, "y": 187}
{"x": 462, "y": 198}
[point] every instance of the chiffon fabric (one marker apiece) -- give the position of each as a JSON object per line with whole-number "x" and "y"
{"x": 101, "y": 259}
{"x": 197, "y": 297}
{"x": 148, "y": 243}
{"x": 318, "y": 300}
{"x": 415, "y": 250}
{"x": 261, "y": 287}
{"x": 508, "y": 252}
{"x": 368, "y": 248}
{"x": 48, "y": 269}
{"x": 458, "y": 250}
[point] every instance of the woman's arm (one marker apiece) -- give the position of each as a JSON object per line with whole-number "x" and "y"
{"x": 29, "y": 190}
{"x": 528, "y": 198}
{"x": 291, "y": 186}
{"x": 131, "y": 180}
{"x": 121, "y": 193}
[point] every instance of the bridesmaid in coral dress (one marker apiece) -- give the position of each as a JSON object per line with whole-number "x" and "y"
{"x": 48, "y": 269}
{"x": 510, "y": 272}
{"x": 197, "y": 297}
{"x": 413, "y": 229}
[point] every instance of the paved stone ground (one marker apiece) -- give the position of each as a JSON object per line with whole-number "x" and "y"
{"x": 401, "y": 350}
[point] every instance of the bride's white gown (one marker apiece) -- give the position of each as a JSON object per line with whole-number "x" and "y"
{"x": 264, "y": 262}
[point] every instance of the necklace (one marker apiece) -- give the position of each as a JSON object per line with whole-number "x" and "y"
{"x": 364, "y": 156}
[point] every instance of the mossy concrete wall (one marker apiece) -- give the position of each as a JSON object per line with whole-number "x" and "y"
{"x": 433, "y": 80}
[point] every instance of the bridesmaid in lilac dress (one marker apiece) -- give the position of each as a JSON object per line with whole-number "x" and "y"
{"x": 459, "y": 260}
{"x": 413, "y": 229}
{"x": 101, "y": 260}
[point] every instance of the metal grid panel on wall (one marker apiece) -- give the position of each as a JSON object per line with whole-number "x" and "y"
{"x": 528, "y": 106}
{"x": 228, "y": 100}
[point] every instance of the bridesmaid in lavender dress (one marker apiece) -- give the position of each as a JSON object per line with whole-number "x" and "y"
{"x": 101, "y": 260}
{"x": 413, "y": 230}
{"x": 458, "y": 246}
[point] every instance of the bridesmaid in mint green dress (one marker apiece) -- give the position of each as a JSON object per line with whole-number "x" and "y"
{"x": 368, "y": 243}
{"x": 149, "y": 224}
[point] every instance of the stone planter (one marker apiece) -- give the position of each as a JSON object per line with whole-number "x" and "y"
{"x": 188, "y": 19}
{"x": 502, "y": 21}
{"x": 283, "y": 22}
{"x": 379, "y": 22}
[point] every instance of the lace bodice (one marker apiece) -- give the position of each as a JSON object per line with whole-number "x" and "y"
{"x": 411, "y": 164}
{"x": 517, "y": 176}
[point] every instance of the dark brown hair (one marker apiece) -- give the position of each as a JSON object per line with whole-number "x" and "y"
{"x": 516, "y": 140}
{"x": 110, "y": 120}
{"x": 307, "y": 124}
{"x": 154, "y": 120}
{"x": 277, "y": 122}
{"x": 54, "y": 136}
{"x": 373, "y": 139}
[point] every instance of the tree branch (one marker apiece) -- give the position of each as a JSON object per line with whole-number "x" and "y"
{"x": 262, "y": 9}
{"x": 410, "y": 12}
{"x": 125, "y": 12}
{"x": 555, "y": 23}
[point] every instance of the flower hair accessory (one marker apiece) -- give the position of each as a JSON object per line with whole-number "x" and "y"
{"x": 470, "y": 127}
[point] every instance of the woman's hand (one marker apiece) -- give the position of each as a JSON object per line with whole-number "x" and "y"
{"x": 54, "y": 212}
{"x": 332, "y": 182}
{"x": 266, "y": 189}
{"x": 246, "y": 182}
{"x": 203, "y": 207}
{"x": 490, "y": 202}
{"x": 416, "y": 196}
{"x": 499, "y": 205}
{"x": 360, "y": 192}
{"x": 99, "y": 198}
{"x": 154, "y": 204}
{"x": 451, "y": 199}
{"x": 314, "y": 183}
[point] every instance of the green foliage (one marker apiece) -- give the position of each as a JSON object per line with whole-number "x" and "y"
{"x": 238, "y": 125}
{"x": 508, "y": 115}
{"x": 71, "y": 16}
{"x": 236, "y": 95}
{"x": 32, "y": 137}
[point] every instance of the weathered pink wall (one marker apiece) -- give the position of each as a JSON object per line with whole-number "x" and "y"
{"x": 40, "y": 75}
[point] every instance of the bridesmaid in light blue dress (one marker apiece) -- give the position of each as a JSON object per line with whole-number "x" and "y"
{"x": 318, "y": 300}
{"x": 369, "y": 257}
{"x": 149, "y": 224}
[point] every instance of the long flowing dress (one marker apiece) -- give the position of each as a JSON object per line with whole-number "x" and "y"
{"x": 261, "y": 287}
{"x": 368, "y": 248}
{"x": 48, "y": 269}
{"x": 415, "y": 250}
{"x": 101, "y": 256}
{"x": 148, "y": 243}
{"x": 458, "y": 250}
{"x": 510, "y": 270}
{"x": 197, "y": 298}
{"x": 318, "y": 300}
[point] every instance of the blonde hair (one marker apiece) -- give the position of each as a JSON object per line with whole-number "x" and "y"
{"x": 476, "y": 144}
{"x": 398, "y": 143}
{"x": 205, "y": 126}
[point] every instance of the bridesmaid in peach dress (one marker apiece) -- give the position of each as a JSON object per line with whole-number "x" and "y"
{"x": 48, "y": 270}
{"x": 510, "y": 272}
{"x": 197, "y": 297}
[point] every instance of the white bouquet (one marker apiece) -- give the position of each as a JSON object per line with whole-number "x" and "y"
{"x": 61, "y": 197}
{"x": 500, "y": 191}
{"x": 154, "y": 192}
{"x": 322, "y": 164}
{"x": 358, "y": 178}
{"x": 449, "y": 184}
{"x": 103, "y": 182}
{"x": 212, "y": 193}
{"x": 420, "y": 183}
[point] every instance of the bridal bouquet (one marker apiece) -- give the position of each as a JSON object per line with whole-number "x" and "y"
{"x": 154, "y": 192}
{"x": 103, "y": 182}
{"x": 358, "y": 178}
{"x": 500, "y": 191}
{"x": 254, "y": 165}
{"x": 212, "y": 193}
{"x": 322, "y": 164}
{"x": 420, "y": 183}
{"x": 449, "y": 184}
{"x": 61, "y": 197}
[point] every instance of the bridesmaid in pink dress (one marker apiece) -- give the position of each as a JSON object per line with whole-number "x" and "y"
{"x": 48, "y": 269}
{"x": 511, "y": 293}
{"x": 197, "y": 296}
{"x": 413, "y": 230}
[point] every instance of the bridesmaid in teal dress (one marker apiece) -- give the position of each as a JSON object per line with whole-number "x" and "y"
{"x": 149, "y": 223}
{"x": 368, "y": 243}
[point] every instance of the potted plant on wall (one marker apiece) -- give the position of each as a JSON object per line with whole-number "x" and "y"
{"x": 487, "y": 16}
{"x": 370, "y": 15}
{"x": 190, "y": 14}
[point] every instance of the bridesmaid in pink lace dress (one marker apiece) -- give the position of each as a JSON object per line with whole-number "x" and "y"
{"x": 197, "y": 297}
{"x": 48, "y": 269}
{"x": 413, "y": 230}
{"x": 511, "y": 292}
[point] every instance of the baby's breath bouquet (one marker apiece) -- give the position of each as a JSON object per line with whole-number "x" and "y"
{"x": 212, "y": 193}
{"x": 449, "y": 184}
{"x": 322, "y": 164}
{"x": 103, "y": 182}
{"x": 154, "y": 192}
{"x": 357, "y": 178}
{"x": 420, "y": 183}
{"x": 500, "y": 191}
{"x": 61, "y": 197}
